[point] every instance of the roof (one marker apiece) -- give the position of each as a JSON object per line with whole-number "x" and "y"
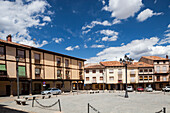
{"x": 140, "y": 64}
{"x": 38, "y": 49}
{"x": 95, "y": 66}
{"x": 111, "y": 63}
{"x": 154, "y": 58}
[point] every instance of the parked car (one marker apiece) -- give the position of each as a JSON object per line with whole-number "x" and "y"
{"x": 166, "y": 88}
{"x": 140, "y": 89}
{"x": 51, "y": 91}
{"x": 129, "y": 88}
{"x": 148, "y": 89}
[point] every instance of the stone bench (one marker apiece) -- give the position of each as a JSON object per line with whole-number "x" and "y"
{"x": 20, "y": 101}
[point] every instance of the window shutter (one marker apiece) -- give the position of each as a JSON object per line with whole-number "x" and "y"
{"x": 2, "y": 67}
{"x": 21, "y": 71}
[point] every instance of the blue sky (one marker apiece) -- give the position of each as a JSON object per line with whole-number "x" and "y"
{"x": 96, "y": 30}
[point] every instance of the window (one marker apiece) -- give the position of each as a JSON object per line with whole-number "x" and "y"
{"x": 145, "y": 70}
{"x": 94, "y": 71}
{"x": 80, "y": 65}
{"x": 21, "y": 53}
{"x": 94, "y": 79}
{"x": 145, "y": 77}
{"x": 111, "y": 71}
{"x": 164, "y": 70}
{"x": 66, "y": 63}
{"x": 58, "y": 61}
{"x": 158, "y": 78}
{"x": 3, "y": 70}
{"x": 101, "y": 71}
{"x": 21, "y": 71}
{"x": 111, "y": 78}
{"x": 157, "y": 62}
{"x": 1, "y": 50}
{"x": 150, "y": 77}
{"x": 140, "y": 77}
{"x": 164, "y": 79}
{"x": 67, "y": 74}
{"x": 37, "y": 58}
{"x": 59, "y": 75}
{"x": 140, "y": 70}
{"x": 164, "y": 62}
{"x": 37, "y": 71}
{"x": 101, "y": 78}
{"x": 157, "y": 69}
{"x": 87, "y": 78}
{"x": 87, "y": 71}
{"x": 150, "y": 70}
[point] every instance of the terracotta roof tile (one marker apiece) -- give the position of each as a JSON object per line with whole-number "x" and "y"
{"x": 154, "y": 58}
{"x": 140, "y": 64}
{"x": 96, "y": 66}
{"x": 111, "y": 63}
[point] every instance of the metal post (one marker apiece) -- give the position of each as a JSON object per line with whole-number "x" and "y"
{"x": 126, "y": 94}
{"x": 88, "y": 108}
{"x": 33, "y": 101}
{"x": 17, "y": 80}
{"x": 164, "y": 110}
{"x": 103, "y": 82}
{"x": 59, "y": 104}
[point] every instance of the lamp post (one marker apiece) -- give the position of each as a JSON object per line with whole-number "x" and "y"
{"x": 125, "y": 62}
{"x": 17, "y": 60}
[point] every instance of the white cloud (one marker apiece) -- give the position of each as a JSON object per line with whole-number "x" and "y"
{"x": 47, "y": 18}
{"x": 136, "y": 49}
{"x": 17, "y": 17}
{"x": 110, "y": 35}
{"x": 88, "y": 39}
{"x": 97, "y": 46}
{"x": 70, "y": 48}
{"x": 169, "y": 26}
{"x": 113, "y": 38}
{"x": 108, "y": 32}
{"x": 85, "y": 32}
{"x": 123, "y": 9}
{"x": 85, "y": 46}
{"x": 147, "y": 13}
{"x": 116, "y": 21}
{"x": 58, "y": 40}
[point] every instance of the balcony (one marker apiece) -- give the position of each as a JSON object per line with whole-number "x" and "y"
{"x": 80, "y": 76}
{"x": 59, "y": 76}
{"x": 132, "y": 80}
{"x": 38, "y": 77}
{"x": 3, "y": 73}
{"x": 2, "y": 56}
{"x": 67, "y": 76}
{"x": 120, "y": 81}
{"x": 132, "y": 72}
{"x": 37, "y": 61}
{"x": 161, "y": 71}
{"x": 119, "y": 72}
{"x": 94, "y": 81}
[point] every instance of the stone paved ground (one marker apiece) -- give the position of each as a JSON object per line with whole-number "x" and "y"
{"x": 146, "y": 102}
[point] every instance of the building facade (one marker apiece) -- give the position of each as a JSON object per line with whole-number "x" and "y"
{"x": 149, "y": 71}
{"x": 37, "y": 69}
{"x": 94, "y": 78}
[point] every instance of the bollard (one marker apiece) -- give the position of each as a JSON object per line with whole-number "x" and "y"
{"x": 88, "y": 108}
{"x": 164, "y": 110}
{"x": 59, "y": 104}
{"x": 33, "y": 101}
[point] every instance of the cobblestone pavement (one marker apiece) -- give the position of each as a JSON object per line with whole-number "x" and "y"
{"x": 114, "y": 102}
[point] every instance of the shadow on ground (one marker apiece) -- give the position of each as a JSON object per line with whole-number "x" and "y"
{"x": 9, "y": 110}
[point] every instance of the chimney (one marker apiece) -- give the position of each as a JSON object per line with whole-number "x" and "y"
{"x": 166, "y": 56}
{"x": 9, "y": 38}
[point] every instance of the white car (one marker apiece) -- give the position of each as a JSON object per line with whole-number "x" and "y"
{"x": 166, "y": 88}
{"x": 129, "y": 88}
{"x": 148, "y": 89}
{"x": 51, "y": 91}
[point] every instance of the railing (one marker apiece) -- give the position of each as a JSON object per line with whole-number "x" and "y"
{"x": 94, "y": 109}
{"x": 132, "y": 80}
{"x": 38, "y": 77}
{"x": 161, "y": 71}
{"x": 162, "y": 110}
{"x": 37, "y": 61}
{"x": 67, "y": 77}
{"x": 80, "y": 76}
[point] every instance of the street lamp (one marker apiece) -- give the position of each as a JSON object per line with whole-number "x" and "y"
{"x": 17, "y": 60}
{"x": 125, "y": 62}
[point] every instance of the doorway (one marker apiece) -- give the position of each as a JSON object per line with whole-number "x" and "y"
{"x": 8, "y": 90}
